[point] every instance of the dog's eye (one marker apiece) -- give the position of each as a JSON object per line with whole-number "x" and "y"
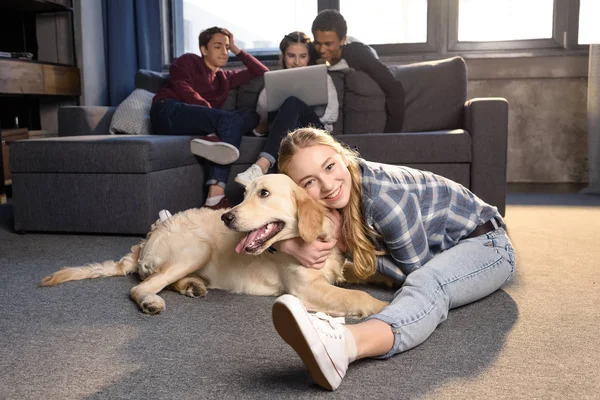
{"x": 264, "y": 193}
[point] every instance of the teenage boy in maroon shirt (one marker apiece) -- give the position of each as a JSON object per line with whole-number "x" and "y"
{"x": 190, "y": 104}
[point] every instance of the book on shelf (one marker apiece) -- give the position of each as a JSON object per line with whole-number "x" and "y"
{"x": 19, "y": 54}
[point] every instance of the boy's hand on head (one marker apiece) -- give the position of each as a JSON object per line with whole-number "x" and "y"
{"x": 310, "y": 255}
{"x": 232, "y": 47}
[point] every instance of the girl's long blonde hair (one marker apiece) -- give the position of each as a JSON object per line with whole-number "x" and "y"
{"x": 356, "y": 233}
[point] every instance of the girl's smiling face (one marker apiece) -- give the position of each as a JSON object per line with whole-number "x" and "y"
{"x": 296, "y": 55}
{"x": 323, "y": 173}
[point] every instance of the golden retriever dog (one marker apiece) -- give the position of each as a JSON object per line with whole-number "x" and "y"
{"x": 202, "y": 249}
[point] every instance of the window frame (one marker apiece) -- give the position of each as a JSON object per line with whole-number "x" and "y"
{"x": 435, "y": 25}
{"x": 442, "y": 36}
{"x": 565, "y": 26}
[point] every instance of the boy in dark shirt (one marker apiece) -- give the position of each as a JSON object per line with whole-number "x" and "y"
{"x": 329, "y": 30}
{"x": 190, "y": 104}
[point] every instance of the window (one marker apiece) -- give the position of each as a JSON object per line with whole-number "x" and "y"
{"x": 419, "y": 29}
{"x": 589, "y": 32}
{"x": 500, "y": 20}
{"x": 498, "y": 25}
{"x": 258, "y": 26}
{"x": 386, "y": 21}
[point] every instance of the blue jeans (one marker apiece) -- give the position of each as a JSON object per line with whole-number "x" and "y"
{"x": 471, "y": 270}
{"x": 172, "y": 117}
{"x": 291, "y": 115}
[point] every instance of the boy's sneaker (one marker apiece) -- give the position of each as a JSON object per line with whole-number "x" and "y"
{"x": 244, "y": 178}
{"x": 213, "y": 149}
{"x": 164, "y": 215}
{"x": 257, "y": 133}
{"x": 317, "y": 338}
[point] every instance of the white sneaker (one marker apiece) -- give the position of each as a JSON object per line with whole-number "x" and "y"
{"x": 317, "y": 338}
{"x": 213, "y": 149}
{"x": 244, "y": 178}
{"x": 164, "y": 215}
{"x": 257, "y": 133}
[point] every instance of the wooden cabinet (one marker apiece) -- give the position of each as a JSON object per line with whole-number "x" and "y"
{"x": 36, "y": 78}
{"x": 61, "y": 80}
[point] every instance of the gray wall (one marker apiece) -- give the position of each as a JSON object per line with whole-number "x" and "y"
{"x": 547, "y": 131}
{"x": 91, "y": 55}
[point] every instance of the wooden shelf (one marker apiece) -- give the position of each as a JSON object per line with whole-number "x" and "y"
{"x": 36, "y": 78}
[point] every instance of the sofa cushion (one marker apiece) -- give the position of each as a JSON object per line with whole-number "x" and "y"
{"x": 132, "y": 116}
{"x": 230, "y": 101}
{"x": 421, "y": 147}
{"x": 364, "y": 104}
{"x": 436, "y": 92}
{"x": 102, "y": 154}
{"x": 338, "y": 81}
{"x": 84, "y": 120}
{"x": 150, "y": 80}
{"x": 247, "y": 94}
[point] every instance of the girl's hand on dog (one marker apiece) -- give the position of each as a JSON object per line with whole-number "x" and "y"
{"x": 311, "y": 255}
{"x": 336, "y": 222}
{"x": 314, "y": 254}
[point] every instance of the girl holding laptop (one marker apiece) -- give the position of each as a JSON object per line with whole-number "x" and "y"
{"x": 296, "y": 51}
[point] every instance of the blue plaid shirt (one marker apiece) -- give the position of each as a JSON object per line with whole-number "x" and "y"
{"x": 418, "y": 215}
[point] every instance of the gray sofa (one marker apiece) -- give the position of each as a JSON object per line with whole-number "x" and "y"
{"x": 86, "y": 180}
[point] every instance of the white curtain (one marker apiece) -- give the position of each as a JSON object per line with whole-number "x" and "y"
{"x": 593, "y": 120}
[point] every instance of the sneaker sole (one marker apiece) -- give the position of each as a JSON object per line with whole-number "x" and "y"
{"x": 218, "y": 152}
{"x": 290, "y": 331}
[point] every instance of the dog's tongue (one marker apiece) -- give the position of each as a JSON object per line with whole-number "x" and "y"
{"x": 247, "y": 240}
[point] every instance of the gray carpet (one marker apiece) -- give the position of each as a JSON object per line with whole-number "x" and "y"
{"x": 538, "y": 338}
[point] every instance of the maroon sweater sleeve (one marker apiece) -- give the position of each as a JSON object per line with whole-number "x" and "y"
{"x": 181, "y": 77}
{"x": 254, "y": 69}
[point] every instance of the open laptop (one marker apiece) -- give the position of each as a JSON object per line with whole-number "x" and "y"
{"x": 309, "y": 84}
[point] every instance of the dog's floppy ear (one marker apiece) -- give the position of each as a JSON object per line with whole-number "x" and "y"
{"x": 310, "y": 216}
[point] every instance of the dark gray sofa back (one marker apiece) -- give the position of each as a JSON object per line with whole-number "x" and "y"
{"x": 436, "y": 92}
{"x": 150, "y": 80}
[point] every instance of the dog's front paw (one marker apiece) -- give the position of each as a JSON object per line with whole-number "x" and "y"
{"x": 152, "y": 304}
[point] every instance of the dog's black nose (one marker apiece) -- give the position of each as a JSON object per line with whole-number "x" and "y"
{"x": 227, "y": 218}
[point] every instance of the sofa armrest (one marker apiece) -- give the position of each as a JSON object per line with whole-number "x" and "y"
{"x": 486, "y": 119}
{"x": 84, "y": 120}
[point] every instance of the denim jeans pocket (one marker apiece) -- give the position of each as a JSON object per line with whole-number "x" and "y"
{"x": 506, "y": 250}
{"x": 503, "y": 246}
